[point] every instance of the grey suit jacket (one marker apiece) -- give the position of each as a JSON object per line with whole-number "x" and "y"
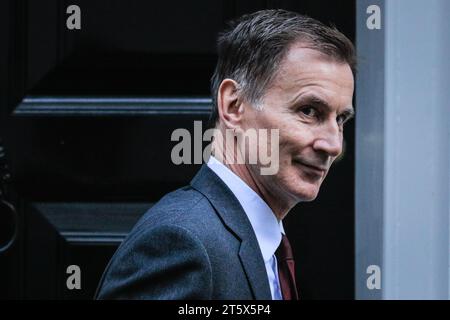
{"x": 195, "y": 243}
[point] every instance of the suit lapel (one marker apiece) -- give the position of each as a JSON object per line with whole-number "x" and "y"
{"x": 234, "y": 218}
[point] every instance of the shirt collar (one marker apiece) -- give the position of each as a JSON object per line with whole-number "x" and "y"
{"x": 264, "y": 222}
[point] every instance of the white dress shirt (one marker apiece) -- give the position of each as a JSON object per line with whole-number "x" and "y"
{"x": 265, "y": 225}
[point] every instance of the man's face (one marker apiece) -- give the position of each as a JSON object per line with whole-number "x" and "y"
{"x": 308, "y": 101}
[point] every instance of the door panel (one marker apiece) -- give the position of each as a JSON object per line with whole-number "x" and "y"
{"x": 86, "y": 118}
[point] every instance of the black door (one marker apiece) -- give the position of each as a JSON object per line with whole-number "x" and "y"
{"x": 86, "y": 117}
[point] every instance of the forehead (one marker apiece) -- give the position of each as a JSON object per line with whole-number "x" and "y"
{"x": 304, "y": 68}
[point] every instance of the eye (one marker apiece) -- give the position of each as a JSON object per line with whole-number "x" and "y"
{"x": 309, "y": 111}
{"x": 344, "y": 117}
{"x": 341, "y": 119}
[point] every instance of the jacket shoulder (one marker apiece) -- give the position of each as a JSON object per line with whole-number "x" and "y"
{"x": 148, "y": 264}
{"x": 185, "y": 207}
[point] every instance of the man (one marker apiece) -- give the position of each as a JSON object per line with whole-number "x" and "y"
{"x": 222, "y": 237}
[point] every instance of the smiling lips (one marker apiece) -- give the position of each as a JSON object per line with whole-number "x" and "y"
{"x": 312, "y": 168}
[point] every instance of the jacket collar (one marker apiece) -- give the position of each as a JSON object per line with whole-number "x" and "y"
{"x": 234, "y": 218}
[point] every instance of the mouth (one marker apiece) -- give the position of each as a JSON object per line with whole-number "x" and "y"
{"x": 311, "y": 168}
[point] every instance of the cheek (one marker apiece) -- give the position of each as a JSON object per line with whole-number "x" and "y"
{"x": 294, "y": 140}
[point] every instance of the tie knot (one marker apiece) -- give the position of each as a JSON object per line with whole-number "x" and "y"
{"x": 284, "y": 251}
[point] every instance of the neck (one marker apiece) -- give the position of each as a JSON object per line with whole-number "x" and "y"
{"x": 274, "y": 197}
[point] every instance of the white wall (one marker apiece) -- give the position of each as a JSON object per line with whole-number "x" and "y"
{"x": 403, "y": 149}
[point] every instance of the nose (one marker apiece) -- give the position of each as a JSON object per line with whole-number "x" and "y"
{"x": 329, "y": 139}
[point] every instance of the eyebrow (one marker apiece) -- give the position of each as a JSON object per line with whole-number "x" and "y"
{"x": 315, "y": 100}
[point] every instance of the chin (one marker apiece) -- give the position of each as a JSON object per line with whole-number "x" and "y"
{"x": 306, "y": 194}
{"x": 310, "y": 198}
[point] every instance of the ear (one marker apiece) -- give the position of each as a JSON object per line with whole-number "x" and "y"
{"x": 229, "y": 104}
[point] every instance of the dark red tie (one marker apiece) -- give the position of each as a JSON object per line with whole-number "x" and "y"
{"x": 286, "y": 270}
